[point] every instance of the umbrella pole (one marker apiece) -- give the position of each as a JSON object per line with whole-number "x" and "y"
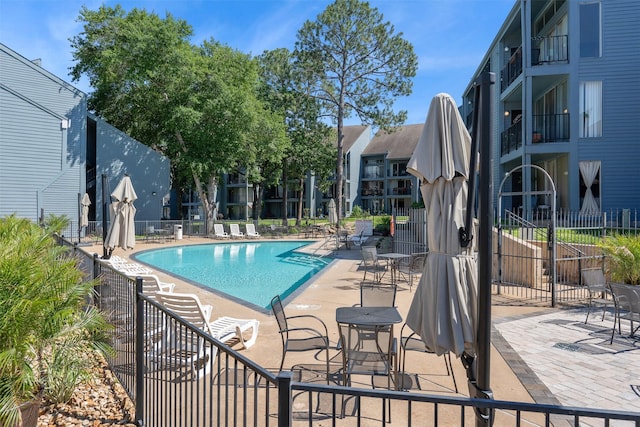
{"x": 105, "y": 182}
{"x": 478, "y": 367}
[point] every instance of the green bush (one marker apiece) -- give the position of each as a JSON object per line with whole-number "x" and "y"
{"x": 622, "y": 254}
{"x": 46, "y": 327}
{"x": 357, "y": 212}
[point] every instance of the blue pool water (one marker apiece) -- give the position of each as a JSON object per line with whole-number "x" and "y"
{"x": 252, "y": 272}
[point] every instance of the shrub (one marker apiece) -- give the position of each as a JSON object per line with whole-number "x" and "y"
{"x": 622, "y": 254}
{"x": 46, "y": 326}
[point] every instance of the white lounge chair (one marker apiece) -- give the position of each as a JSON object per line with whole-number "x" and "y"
{"x": 224, "y": 328}
{"x": 364, "y": 230}
{"x": 126, "y": 266}
{"x": 151, "y": 285}
{"x": 235, "y": 231}
{"x": 219, "y": 232}
{"x": 178, "y": 347}
{"x": 251, "y": 231}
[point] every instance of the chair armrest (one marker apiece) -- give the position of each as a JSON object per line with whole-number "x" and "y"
{"x": 309, "y": 316}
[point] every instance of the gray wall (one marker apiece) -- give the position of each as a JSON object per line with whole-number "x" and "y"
{"x": 619, "y": 69}
{"x": 119, "y": 154}
{"x": 42, "y": 140}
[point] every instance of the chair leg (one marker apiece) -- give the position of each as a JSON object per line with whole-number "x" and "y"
{"x": 327, "y": 359}
{"x": 447, "y": 362}
{"x": 588, "y": 311}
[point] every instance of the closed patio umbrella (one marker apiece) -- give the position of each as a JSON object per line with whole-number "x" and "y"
{"x": 84, "y": 208}
{"x": 122, "y": 229}
{"x": 333, "y": 214}
{"x": 444, "y": 309}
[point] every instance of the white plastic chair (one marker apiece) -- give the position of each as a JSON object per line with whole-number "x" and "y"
{"x": 218, "y": 230}
{"x": 235, "y": 231}
{"x": 251, "y": 231}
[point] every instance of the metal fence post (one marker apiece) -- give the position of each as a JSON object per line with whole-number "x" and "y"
{"x": 284, "y": 398}
{"x": 139, "y": 373}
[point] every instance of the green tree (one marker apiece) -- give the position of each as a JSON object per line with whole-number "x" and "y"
{"x": 359, "y": 65}
{"x": 197, "y": 105}
{"x": 286, "y": 90}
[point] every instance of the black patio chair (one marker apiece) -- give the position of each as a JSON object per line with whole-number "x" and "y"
{"x": 300, "y": 338}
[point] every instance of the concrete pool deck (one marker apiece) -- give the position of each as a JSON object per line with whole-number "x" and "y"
{"x": 541, "y": 355}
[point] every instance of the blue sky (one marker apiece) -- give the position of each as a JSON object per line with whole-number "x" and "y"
{"x": 450, "y": 37}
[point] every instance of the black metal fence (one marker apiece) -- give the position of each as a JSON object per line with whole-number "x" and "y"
{"x": 528, "y": 268}
{"x": 178, "y": 375}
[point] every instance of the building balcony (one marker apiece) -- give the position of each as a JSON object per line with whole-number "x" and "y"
{"x": 550, "y": 50}
{"x": 512, "y": 70}
{"x": 550, "y": 128}
{"x": 511, "y": 139}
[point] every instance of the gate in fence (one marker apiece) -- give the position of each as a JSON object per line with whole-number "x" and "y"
{"x": 526, "y": 250}
{"x": 410, "y": 230}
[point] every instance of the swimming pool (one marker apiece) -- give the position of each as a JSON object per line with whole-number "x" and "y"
{"x": 249, "y": 272}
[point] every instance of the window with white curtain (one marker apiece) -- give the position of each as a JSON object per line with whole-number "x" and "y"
{"x": 590, "y": 109}
{"x": 590, "y": 187}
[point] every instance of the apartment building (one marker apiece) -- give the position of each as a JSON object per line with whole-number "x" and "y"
{"x": 385, "y": 183}
{"x": 566, "y": 101}
{"x": 375, "y": 178}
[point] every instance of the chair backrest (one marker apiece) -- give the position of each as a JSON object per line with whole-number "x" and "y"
{"x": 373, "y": 294}
{"x": 369, "y": 254}
{"x": 187, "y": 306}
{"x": 417, "y": 263}
{"x": 364, "y": 227}
{"x": 251, "y": 229}
{"x": 150, "y": 285}
{"x": 278, "y": 312}
{"x": 627, "y": 297}
{"x": 218, "y": 229}
{"x": 235, "y": 229}
{"x": 593, "y": 278}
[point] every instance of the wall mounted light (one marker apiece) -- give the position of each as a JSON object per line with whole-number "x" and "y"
{"x": 506, "y": 114}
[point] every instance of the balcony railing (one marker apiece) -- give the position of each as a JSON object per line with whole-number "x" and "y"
{"x": 372, "y": 192}
{"x": 512, "y": 70}
{"x": 511, "y": 139}
{"x": 550, "y": 49}
{"x": 550, "y": 128}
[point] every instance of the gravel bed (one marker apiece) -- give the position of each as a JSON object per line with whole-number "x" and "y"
{"x": 100, "y": 402}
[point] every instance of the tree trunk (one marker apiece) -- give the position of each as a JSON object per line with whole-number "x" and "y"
{"x": 257, "y": 201}
{"x": 285, "y": 199}
{"x": 300, "y": 201}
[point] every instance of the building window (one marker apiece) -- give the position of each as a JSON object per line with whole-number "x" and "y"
{"x": 590, "y": 187}
{"x": 591, "y": 109}
{"x": 590, "y": 30}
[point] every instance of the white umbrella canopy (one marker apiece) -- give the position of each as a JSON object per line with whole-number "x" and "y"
{"x": 333, "y": 213}
{"x": 122, "y": 231}
{"x": 444, "y": 308}
{"x": 84, "y": 209}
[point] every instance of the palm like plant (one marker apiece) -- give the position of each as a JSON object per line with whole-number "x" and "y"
{"x": 623, "y": 258}
{"x": 46, "y": 325}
